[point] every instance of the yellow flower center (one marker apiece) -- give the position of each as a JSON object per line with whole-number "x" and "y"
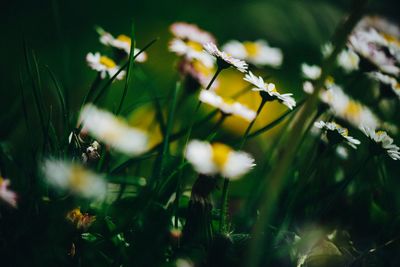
{"x": 74, "y": 215}
{"x": 391, "y": 38}
{"x": 353, "y": 108}
{"x": 220, "y": 154}
{"x": 1, "y": 180}
{"x": 195, "y": 45}
{"x": 115, "y": 132}
{"x": 345, "y": 131}
{"x": 78, "y": 178}
{"x": 329, "y": 81}
{"x": 252, "y": 48}
{"x": 124, "y": 38}
{"x": 379, "y": 133}
{"x": 201, "y": 68}
{"x": 108, "y": 62}
{"x": 229, "y": 101}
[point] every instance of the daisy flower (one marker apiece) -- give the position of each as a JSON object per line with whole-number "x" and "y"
{"x": 336, "y": 133}
{"x": 121, "y": 42}
{"x": 387, "y": 82}
{"x": 212, "y": 159}
{"x": 226, "y": 106}
{"x": 268, "y": 90}
{"x": 258, "y": 52}
{"x": 224, "y": 60}
{"x": 382, "y": 143}
{"x": 379, "y": 23}
{"x": 372, "y": 47}
{"x": 191, "y": 50}
{"x": 348, "y": 109}
{"x": 75, "y": 178}
{"x": 104, "y": 65}
{"x": 79, "y": 219}
{"x": 389, "y": 32}
{"x": 7, "y": 195}
{"x": 311, "y": 72}
{"x": 191, "y": 32}
{"x": 112, "y": 130}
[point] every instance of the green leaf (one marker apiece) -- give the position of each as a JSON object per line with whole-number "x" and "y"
{"x": 91, "y": 237}
{"x": 111, "y": 226}
{"x": 131, "y": 63}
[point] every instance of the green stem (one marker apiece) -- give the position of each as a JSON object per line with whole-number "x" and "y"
{"x": 224, "y": 207}
{"x": 246, "y": 134}
{"x": 213, "y": 78}
{"x": 131, "y": 63}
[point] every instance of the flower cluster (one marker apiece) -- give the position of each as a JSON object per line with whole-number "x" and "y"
{"x": 376, "y": 40}
{"x": 188, "y": 43}
{"x": 108, "y": 66}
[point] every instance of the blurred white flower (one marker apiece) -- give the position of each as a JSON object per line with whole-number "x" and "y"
{"x": 112, "y": 130}
{"x": 122, "y": 42}
{"x": 342, "y": 152}
{"x": 335, "y": 132}
{"x": 183, "y": 263}
{"x": 372, "y": 46}
{"x": 217, "y": 158}
{"x": 191, "y": 32}
{"x": 270, "y": 90}
{"x": 7, "y": 195}
{"x": 258, "y": 52}
{"x": 387, "y": 81}
{"x": 71, "y": 176}
{"x": 223, "y": 59}
{"x": 348, "y": 109}
{"x": 327, "y": 49}
{"x": 311, "y": 72}
{"x": 348, "y": 60}
{"x": 191, "y": 50}
{"x": 227, "y": 106}
{"x": 384, "y": 142}
{"x": 104, "y": 65}
{"x": 308, "y": 87}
